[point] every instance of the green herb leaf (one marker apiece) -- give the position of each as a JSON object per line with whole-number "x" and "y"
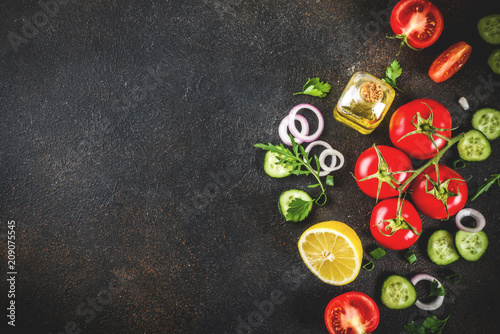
{"x": 393, "y": 72}
{"x": 486, "y": 185}
{"x": 378, "y": 253}
{"x": 432, "y": 325}
{"x": 410, "y": 256}
{"x": 329, "y": 180}
{"x": 436, "y": 290}
{"x": 298, "y": 209}
{"x": 299, "y": 159}
{"x": 314, "y": 87}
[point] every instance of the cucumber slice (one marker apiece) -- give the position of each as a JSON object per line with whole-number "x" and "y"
{"x": 489, "y": 28}
{"x": 440, "y": 248}
{"x": 288, "y": 196}
{"x": 494, "y": 61}
{"x": 487, "y": 120}
{"x": 398, "y": 293}
{"x": 471, "y": 245}
{"x": 273, "y": 168}
{"x": 474, "y": 146}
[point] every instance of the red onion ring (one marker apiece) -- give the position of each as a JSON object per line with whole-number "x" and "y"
{"x": 333, "y": 165}
{"x": 326, "y": 145}
{"x": 284, "y": 125}
{"x": 293, "y": 129}
{"x": 436, "y": 303}
{"x": 468, "y": 212}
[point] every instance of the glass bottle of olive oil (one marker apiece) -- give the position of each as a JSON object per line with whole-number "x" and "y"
{"x": 364, "y": 102}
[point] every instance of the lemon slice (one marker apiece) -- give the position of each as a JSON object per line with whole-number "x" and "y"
{"x": 332, "y": 251}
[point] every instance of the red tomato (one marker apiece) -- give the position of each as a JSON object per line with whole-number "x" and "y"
{"x": 395, "y": 231}
{"x": 374, "y": 169}
{"x": 417, "y": 131}
{"x": 418, "y": 22}
{"x": 450, "y": 61}
{"x": 439, "y": 200}
{"x": 352, "y": 312}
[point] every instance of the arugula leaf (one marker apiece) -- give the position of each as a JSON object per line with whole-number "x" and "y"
{"x": 486, "y": 185}
{"x": 436, "y": 290}
{"x": 299, "y": 159}
{"x": 432, "y": 325}
{"x": 393, "y": 72}
{"x": 298, "y": 209}
{"x": 314, "y": 87}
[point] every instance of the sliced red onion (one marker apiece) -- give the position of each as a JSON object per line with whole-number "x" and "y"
{"x": 326, "y": 145}
{"x": 478, "y": 217}
{"x": 283, "y": 129}
{"x": 333, "y": 165}
{"x": 291, "y": 123}
{"x": 436, "y": 303}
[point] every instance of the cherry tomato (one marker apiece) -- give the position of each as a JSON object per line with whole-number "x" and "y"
{"x": 450, "y": 61}
{"x": 416, "y": 126}
{"x": 417, "y": 22}
{"x": 352, "y": 312}
{"x": 439, "y": 200}
{"x": 395, "y": 227}
{"x": 374, "y": 171}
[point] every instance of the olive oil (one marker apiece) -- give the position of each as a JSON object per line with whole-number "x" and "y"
{"x": 364, "y": 102}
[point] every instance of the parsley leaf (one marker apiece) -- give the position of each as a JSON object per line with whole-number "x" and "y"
{"x": 393, "y": 72}
{"x": 486, "y": 185}
{"x": 314, "y": 87}
{"x": 436, "y": 290}
{"x": 299, "y": 159}
{"x": 298, "y": 209}
{"x": 432, "y": 325}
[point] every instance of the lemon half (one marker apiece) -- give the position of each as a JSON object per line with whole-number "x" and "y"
{"x": 332, "y": 251}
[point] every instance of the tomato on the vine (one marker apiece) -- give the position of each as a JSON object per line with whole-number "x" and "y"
{"x": 420, "y": 128}
{"x": 352, "y": 312}
{"x": 439, "y": 199}
{"x": 380, "y": 170}
{"x": 395, "y": 224}
{"x": 417, "y": 22}
{"x": 450, "y": 61}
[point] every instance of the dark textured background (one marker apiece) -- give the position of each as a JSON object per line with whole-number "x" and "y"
{"x": 126, "y": 161}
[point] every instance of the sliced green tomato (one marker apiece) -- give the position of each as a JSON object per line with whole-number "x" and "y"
{"x": 494, "y": 61}
{"x": 288, "y": 196}
{"x": 398, "y": 293}
{"x": 440, "y": 248}
{"x": 487, "y": 120}
{"x": 471, "y": 245}
{"x": 489, "y": 28}
{"x": 474, "y": 146}
{"x": 273, "y": 168}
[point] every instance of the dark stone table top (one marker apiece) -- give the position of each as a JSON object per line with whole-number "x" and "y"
{"x": 140, "y": 204}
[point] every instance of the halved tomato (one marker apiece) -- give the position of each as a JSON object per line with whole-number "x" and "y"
{"x": 450, "y": 61}
{"x": 417, "y": 22}
{"x": 352, "y": 312}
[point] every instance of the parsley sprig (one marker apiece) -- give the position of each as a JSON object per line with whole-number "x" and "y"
{"x": 437, "y": 289}
{"x": 314, "y": 87}
{"x": 393, "y": 72}
{"x": 301, "y": 162}
{"x": 431, "y": 324}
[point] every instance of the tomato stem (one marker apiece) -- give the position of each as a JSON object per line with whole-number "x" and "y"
{"x": 434, "y": 161}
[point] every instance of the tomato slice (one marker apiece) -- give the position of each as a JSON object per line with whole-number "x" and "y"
{"x": 450, "y": 61}
{"x": 418, "y": 22}
{"x": 352, "y": 312}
